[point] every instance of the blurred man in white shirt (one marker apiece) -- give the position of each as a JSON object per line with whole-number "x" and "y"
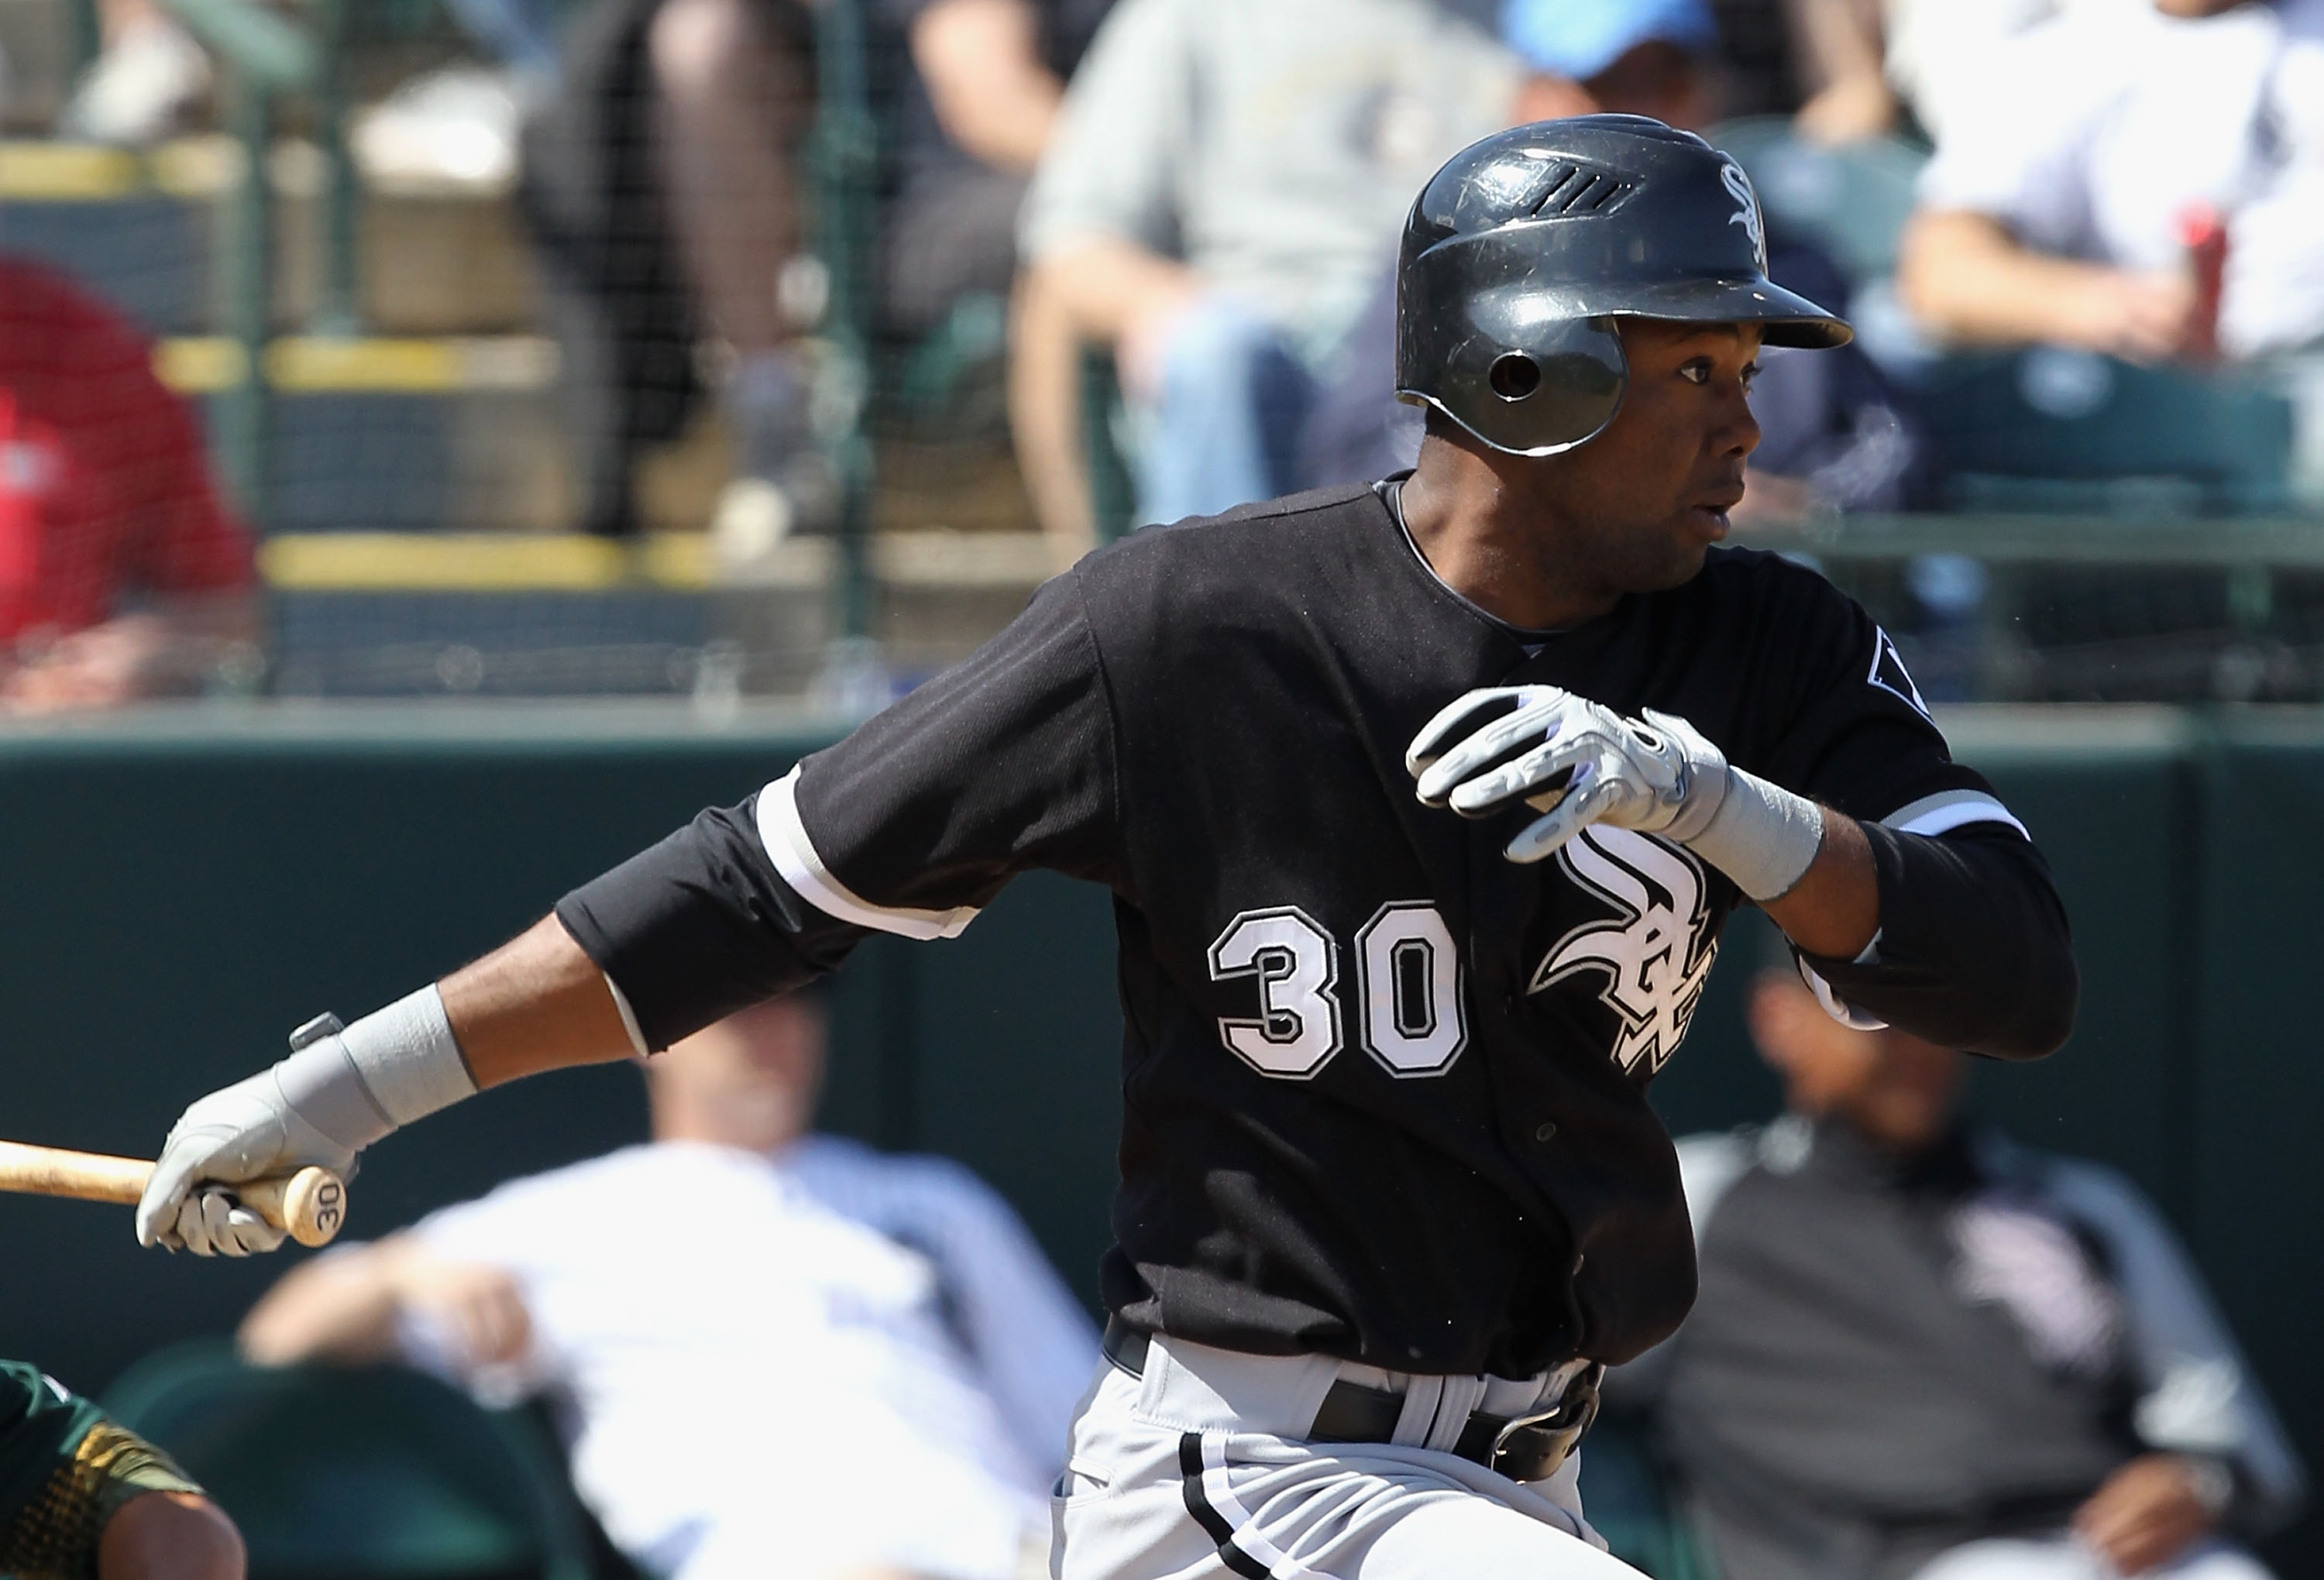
{"x": 805, "y": 1358}
{"x": 2140, "y": 182}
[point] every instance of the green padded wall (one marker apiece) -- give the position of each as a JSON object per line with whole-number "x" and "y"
{"x": 2254, "y": 1105}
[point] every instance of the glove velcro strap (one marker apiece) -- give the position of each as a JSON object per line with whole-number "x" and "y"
{"x": 1763, "y": 836}
{"x": 321, "y": 1087}
{"x": 396, "y": 1065}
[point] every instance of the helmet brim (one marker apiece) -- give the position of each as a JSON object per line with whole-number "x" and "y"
{"x": 1784, "y": 317}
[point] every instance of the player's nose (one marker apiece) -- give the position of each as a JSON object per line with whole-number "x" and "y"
{"x": 1736, "y": 433}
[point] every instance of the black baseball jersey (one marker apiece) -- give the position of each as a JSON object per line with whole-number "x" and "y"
{"x": 1384, "y": 1091}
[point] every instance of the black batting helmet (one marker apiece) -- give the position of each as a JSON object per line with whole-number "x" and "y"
{"x": 1522, "y": 251}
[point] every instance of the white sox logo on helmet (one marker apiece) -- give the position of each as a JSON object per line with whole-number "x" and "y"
{"x": 1656, "y": 958}
{"x": 1746, "y": 209}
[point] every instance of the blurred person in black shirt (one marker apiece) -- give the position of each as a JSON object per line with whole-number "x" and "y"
{"x": 981, "y": 88}
{"x": 663, "y": 183}
{"x": 661, "y": 187}
{"x": 1922, "y": 1350}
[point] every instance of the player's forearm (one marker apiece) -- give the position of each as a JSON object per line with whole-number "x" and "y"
{"x": 536, "y": 1002}
{"x": 1974, "y": 950}
{"x": 1834, "y": 909}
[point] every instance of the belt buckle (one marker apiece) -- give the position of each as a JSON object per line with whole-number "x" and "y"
{"x": 1562, "y": 1423}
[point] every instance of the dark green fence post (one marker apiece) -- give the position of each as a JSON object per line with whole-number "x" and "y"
{"x": 244, "y": 254}
{"x": 846, "y": 157}
{"x": 1113, "y": 494}
{"x": 338, "y": 309}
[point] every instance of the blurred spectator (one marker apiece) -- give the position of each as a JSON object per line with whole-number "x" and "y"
{"x": 1834, "y": 432}
{"x": 1759, "y": 58}
{"x": 2140, "y": 182}
{"x": 661, "y": 183}
{"x": 987, "y": 82}
{"x": 1851, "y": 70}
{"x": 122, "y": 575}
{"x": 1922, "y": 1350}
{"x": 1214, "y": 210}
{"x": 1837, "y": 43}
{"x": 1939, "y": 54}
{"x": 80, "y": 1498}
{"x": 745, "y": 1388}
{"x": 1631, "y": 57}
{"x": 148, "y": 78}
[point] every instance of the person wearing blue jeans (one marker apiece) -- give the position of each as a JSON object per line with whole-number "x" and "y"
{"x": 1225, "y": 420}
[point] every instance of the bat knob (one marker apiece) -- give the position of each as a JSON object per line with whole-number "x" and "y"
{"x": 313, "y": 1206}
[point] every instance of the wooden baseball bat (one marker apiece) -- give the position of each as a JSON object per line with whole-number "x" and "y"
{"x": 308, "y": 1204}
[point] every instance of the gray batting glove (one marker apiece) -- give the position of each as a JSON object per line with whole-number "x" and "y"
{"x": 342, "y": 1089}
{"x": 311, "y": 1108}
{"x": 1575, "y": 761}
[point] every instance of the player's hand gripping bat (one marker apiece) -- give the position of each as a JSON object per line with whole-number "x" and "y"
{"x": 309, "y": 1206}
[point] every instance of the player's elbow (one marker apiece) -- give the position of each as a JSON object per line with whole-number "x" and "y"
{"x": 170, "y": 1536}
{"x": 2040, "y": 1014}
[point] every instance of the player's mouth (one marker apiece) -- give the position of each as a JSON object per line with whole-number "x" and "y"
{"x": 1710, "y": 514}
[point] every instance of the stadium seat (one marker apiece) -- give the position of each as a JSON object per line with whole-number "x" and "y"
{"x": 1627, "y": 1498}
{"x": 370, "y": 1474}
{"x": 2052, "y": 429}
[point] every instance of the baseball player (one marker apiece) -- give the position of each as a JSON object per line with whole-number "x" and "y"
{"x": 81, "y": 1498}
{"x": 1422, "y": 803}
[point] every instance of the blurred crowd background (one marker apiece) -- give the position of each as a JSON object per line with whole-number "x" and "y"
{"x": 742, "y": 348}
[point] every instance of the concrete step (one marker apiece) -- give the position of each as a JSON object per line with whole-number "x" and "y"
{"x": 411, "y": 434}
{"x": 142, "y": 228}
{"x": 389, "y": 614}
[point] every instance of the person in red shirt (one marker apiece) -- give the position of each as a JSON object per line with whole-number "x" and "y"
{"x": 122, "y": 574}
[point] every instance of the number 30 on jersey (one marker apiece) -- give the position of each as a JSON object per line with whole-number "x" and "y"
{"x": 1407, "y": 1006}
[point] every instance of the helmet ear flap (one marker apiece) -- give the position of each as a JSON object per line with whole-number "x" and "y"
{"x": 1551, "y": 384}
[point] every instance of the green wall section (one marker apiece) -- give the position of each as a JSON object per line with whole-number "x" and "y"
{"x": 182, "y": 893}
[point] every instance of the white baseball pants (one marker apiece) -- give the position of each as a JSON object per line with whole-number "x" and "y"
{"x": 1198, "y": 1471}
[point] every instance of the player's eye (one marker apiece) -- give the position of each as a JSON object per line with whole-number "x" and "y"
{"x": 1750, "y": 371}
{"x": 1697, "y": 372}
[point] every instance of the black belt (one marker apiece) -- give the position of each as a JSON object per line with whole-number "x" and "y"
{"x": 1523, "y": 1448}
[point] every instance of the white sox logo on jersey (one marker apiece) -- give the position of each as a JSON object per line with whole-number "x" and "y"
{"x": 1655, "y": 957}
{"x": 1889, "y": 674}
{"x": 1746, "y": 206}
